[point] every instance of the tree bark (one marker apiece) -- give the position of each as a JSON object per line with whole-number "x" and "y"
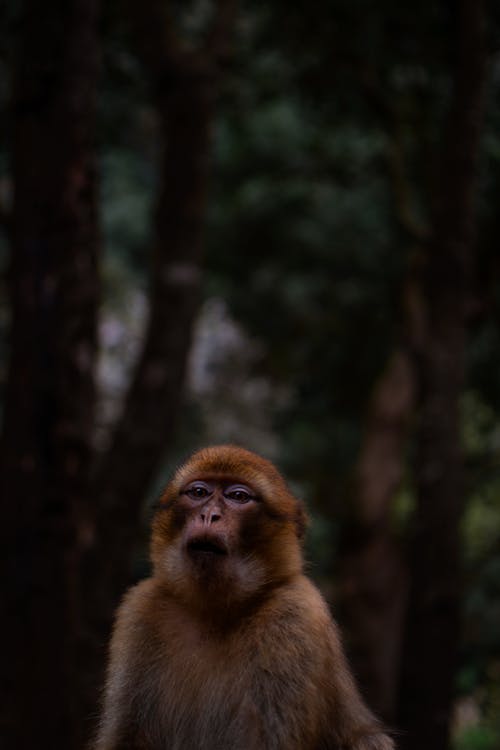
{"x": 46, "y": 442}
{"x": 433, "y": 623}
{"x": 372, "y": 575}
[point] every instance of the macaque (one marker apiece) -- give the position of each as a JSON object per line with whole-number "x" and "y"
{"x": 228, "y": 646}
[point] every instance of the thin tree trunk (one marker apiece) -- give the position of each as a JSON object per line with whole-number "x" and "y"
{"x": 372, "y": 576}
{"x": 432, "y": 634}
{"x": 50, "y": 390}
{"x": 146, "y": 427}
{"x": 184, "y": 84}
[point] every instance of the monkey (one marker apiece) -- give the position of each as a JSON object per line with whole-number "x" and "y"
{"x": 228, "y": 645}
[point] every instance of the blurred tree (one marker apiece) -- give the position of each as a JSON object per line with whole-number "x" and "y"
{"x": 48, "y": 420}
{"x": 372, "y": 586}
{"x": 433, "y": 618}
{"x": 69, "y": 530}
{"x": 183, "y": 81}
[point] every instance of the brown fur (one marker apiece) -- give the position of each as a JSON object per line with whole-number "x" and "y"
{"x": 230, "y": 651}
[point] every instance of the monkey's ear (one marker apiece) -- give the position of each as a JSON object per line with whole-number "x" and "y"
{"x": 301, "y": 519}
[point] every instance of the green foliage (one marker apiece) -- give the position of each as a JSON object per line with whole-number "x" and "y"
{"x": 310, "y": 215}
{"x": 477, "y": 738}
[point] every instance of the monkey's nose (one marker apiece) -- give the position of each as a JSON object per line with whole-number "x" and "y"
{"x": 210, "y": 516}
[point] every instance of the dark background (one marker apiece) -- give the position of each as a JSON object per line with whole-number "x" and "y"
{"x": 274, "y": 224}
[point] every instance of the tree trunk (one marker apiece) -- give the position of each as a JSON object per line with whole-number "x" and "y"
{"x": 372, "y": 580}
{"x": 145, "y": 430}
{"x": 431, "y": 644}
{"x": 184, "y": 84}
{"x": 147, "y": 426}
{"x": 47, "y": 430}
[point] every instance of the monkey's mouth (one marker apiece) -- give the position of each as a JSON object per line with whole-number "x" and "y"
{"x": 206, "y": 547}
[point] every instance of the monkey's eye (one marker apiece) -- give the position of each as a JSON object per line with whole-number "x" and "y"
{"x": 198, "y": 491}
{"x": 239, "y": 494}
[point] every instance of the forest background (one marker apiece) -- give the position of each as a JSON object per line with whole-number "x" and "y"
{"x": 272, "y": 224}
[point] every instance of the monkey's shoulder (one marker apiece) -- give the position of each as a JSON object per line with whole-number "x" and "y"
{"x": 296, "y": 612}
{"x": 136, "y": 601}
{"x": 132, "y": 614}
{"x": 302, "y": 599}
{"x": 145, "y": 605}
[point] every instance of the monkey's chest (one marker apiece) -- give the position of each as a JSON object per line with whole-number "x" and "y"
{"x": 221, "y": 695}
{"x": 203, "y": 701}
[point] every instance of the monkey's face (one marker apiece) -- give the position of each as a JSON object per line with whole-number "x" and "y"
{"x": 227, "y": 526}
{"x": 212, "y": 513}
{"x": 209, "y": 535}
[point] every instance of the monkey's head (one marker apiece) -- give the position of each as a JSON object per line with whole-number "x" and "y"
{"x": 227, "y": 526}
